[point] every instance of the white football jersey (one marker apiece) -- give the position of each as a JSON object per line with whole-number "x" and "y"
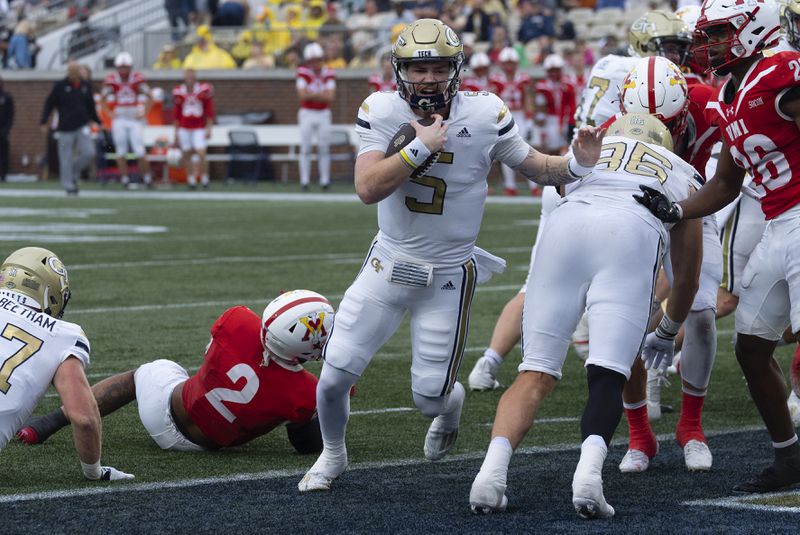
{"x": 626, "y": 163}
{"x": 32, "y": 347}
{"x": 600, "y": 98}
{"x": 436, "y": 218}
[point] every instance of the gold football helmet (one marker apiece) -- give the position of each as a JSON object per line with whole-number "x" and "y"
{"x": 660, "y": 33}
{"x": 427, "y": 40}
{"x": 641, "y": 127}
{"x": 38, "y": 275}
{"x": 790, "y": 18}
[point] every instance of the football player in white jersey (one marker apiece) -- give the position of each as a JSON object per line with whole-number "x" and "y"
{"x": 599, "y": 102}
{"x": 614, "y": 251}
{"x": 38, "y": 348}
{"x": 423, "y": 259}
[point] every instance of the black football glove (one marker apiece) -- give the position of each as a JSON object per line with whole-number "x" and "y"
{"x": 658, "y": 203}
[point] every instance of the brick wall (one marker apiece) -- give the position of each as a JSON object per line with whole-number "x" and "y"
{"x": 236, "y": 92}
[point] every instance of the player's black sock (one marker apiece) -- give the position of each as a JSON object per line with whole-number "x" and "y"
{"x": 604, "y": 406}
{"x": 48, "y": 424}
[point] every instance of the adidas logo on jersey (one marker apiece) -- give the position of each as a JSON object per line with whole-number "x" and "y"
{"x": 448, "y": 286}
{"x": 464, "y": 133}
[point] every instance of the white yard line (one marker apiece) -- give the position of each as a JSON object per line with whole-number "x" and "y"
{"x": 274, "y": 474}
{"x": 740, "y": 502}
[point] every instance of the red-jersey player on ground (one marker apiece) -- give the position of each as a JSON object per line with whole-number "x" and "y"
{"x": 251, "y": 381}
{"x": 758, "y": 110}
{"x": 194, "y": 115}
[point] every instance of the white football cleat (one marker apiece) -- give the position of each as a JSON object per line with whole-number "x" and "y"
{"x": 441, "y": 436}
{"x": 487, "y": 495}
{"x": 580, "y": 338}
{"x": 483, "y": 376}
{"x": 794, "y": 408}
{"x": 635, "y": 461}
{"x": 697, "y": 455}
{"x": 322, "y": 474}
{"x": 587, "y": 484}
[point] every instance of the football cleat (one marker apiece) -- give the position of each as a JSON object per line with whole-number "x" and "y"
{"x": 487, "y": 496}
{"x": 794, "y": 408}
{"x": 697, "y": 455}
{"x": 483, "y": 376}
{"x": 438, "y": 442}
{"x": 322, "y": 475}
{"x": 587, "y": 484}
{"x": 635, "y": 461}
{"x": 773, "y": 478}
{"x": 511, "y": 192}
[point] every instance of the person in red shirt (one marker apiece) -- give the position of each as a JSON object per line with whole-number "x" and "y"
{"x": 194, "y": 116}
{"x": 757, "y": 110}
{"x": 478, "y": 79}
{"x": 316, "y": 89}
{"x": 127, "y": 91}
{"x": 384, "y": 80}
{"x": 251, "y": 381}
{"x": 554, "y": 103}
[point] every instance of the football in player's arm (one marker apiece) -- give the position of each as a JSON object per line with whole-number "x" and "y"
{"x": 38, "y": 348}
{"x": 213, "y": 408}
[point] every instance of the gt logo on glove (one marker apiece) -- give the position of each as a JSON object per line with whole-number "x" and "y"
{"x": 659, "y": 205}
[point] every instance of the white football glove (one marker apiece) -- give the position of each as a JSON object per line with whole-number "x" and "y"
{"x": 657, "y": 352}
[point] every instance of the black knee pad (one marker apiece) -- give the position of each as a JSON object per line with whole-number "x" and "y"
{"x": 604, "y": 405}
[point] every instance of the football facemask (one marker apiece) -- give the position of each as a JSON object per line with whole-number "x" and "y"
{"x": 425, "y": 41}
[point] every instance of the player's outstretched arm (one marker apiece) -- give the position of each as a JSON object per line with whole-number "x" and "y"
{"x": 80, "y": 408}
{"x": 559, "y": 170}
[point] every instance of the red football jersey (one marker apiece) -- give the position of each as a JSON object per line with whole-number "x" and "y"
{"x": 555, "y": 99}
{"x": 761, "y": 138}
{"x": 125, "y": 93}
{"x": 317, "y": 83}
{"x": 475, "y": 83}
{"x": 511, "y": 91}
{"x": 377, "y": 83}
{"x": 193, "y": 107}
{"x": 233, "y": 398}
{"x": 702, "y": 134}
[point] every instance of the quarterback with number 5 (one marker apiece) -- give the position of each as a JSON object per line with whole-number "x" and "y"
{"x": 251, "y": 381}
{"x": 430, "y": 188}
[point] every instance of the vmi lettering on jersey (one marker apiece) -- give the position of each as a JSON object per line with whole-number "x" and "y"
{"x": 736, "y": 129}
{"x": 37, "y": 318}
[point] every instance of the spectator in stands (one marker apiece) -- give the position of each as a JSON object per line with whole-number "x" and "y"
{"x": 315, "y": 17}
{"x": 194, "y": 117}
{"x": 206, "y": 55}
{"x": 454, "y": 15}
{"x": 167, "y": 59}
{"x": 385, "y": 80}
{"x": 479, "y": 22}
{"x": 6, "y": 122}
{"x": 258, "y": 58}
{"x": 72, "y": 98}
{"x": 177, "y": 12}
{"x": 586, "y": 51}
{"x": 316, "y": 90}
{"x": 19, "y": 46}
{"x": 610, "y": 45}
{"x": 535, "y": 21}
{"x": 83, "y": 40}
{"x": 367, "y": 27}
{"x": 428, "y": 9}
{"x": 468, "y": 42}
{"x": 243, "y": 47}
{"x": 130, "y": 95}
{"x": 401, "y": 15}
{"x": 231, "y": 13}
{"x": 334, "y": 46}
{"x": 498, "y": 42}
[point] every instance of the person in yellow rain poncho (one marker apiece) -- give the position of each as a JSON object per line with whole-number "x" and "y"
{"x": 206, "y": 55}
{"x": 167, "y": 59}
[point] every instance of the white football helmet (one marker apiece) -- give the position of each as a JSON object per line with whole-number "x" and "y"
{"x": 728, "y": 32}
{"x": 174, "y": 157}
{"x": 123, "y": 59}
{"x": 38, "y": 277}
{"x": 657, "y": 87}
{"x": 479, "y": 60}
{"x": 295, "y": 327}
{"x": 508, "y": 54}
{"x": 313, "y": 51}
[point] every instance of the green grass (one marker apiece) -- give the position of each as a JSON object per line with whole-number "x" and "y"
{"x": 145, "y": 296}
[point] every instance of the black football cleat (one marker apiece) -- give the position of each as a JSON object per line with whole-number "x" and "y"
{"x": 774, "y": 478}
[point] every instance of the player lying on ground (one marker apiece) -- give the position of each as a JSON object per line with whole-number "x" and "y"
{"x": 251, "y": 381}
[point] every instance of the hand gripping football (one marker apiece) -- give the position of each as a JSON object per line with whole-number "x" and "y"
{"x": 406, "y": 135}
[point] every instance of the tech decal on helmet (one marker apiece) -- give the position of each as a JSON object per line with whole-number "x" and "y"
{"x": 38, "y": 278}
{"x": 295, "y": 327}
{"x": 423, "y": 41}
